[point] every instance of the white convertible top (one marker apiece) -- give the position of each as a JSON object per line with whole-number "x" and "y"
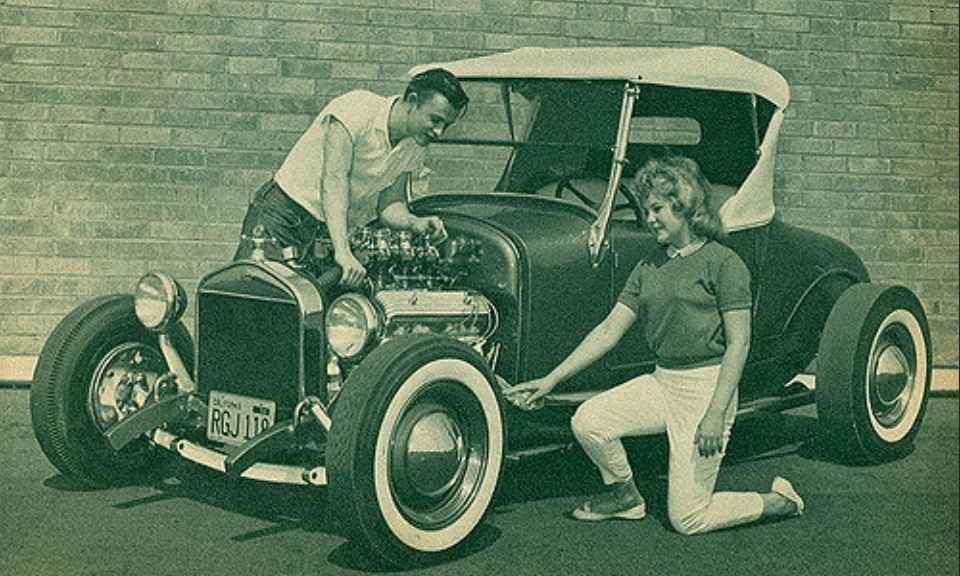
{"x": 703, "y": 67}
{"x": 708, "y": 67}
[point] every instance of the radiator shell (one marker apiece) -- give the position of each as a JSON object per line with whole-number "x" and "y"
{"x": 260, "y": 334}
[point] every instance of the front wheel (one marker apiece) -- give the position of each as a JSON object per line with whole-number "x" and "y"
{"x": 416, "y": 448}
{"x": 98, "y": 366}
{"x": 873, "y": 372}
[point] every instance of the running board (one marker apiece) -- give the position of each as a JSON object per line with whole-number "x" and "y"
{"x": 794, "y": 394}
{"x": 801, "y": 397}
{"x": 517, "y": 455}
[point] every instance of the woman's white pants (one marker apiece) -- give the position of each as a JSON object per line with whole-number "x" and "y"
{"x": 671, "y": 401}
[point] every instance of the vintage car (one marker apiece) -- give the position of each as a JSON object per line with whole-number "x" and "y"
{"x": 390, "y": 395}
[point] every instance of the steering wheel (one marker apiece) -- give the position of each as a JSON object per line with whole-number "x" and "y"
{"x": 566, "y": 183}
{"x": 631, "y": 202}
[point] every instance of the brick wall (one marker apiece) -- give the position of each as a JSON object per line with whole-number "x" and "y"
{"x": 133, "y": 132}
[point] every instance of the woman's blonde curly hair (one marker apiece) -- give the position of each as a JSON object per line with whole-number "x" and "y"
{"x": 679, "y": 180}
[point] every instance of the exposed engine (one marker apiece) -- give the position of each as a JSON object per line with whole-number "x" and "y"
{"x": 404, "y": 260}
{"x": 412, "y": 286}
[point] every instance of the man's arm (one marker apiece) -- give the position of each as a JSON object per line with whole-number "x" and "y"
{"x": 337, "y": 164}
{"x": 392, "y": 205}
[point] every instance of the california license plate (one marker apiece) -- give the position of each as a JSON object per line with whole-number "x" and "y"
{"x": 235, "y": 419}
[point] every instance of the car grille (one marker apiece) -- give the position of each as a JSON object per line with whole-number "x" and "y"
{"x": 252, "y": 344}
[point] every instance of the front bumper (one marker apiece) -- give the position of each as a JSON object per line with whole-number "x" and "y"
{"x": 246, "y": 460}
{"x": 262, "y": 471}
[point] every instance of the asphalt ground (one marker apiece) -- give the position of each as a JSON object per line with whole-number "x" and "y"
{"x": 898, "y": 518}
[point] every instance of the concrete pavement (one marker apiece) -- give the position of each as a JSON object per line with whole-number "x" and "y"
{"x": 899, "y": 518}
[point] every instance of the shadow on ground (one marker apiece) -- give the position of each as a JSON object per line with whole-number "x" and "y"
{"x": 559, "y": 474}
{"x": 287, "y": 508}
{"x": 570, "y": 473}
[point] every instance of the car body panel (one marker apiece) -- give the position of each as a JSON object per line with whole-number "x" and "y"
{"x": 552, "y": 269}
{"x": 549, "y": 268}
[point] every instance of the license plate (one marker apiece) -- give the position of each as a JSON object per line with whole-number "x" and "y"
{"x": 234, "y": 419}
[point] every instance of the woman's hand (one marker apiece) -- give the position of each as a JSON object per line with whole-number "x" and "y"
{"x": 528, "y": 395}
{"x": 709, "y": 436}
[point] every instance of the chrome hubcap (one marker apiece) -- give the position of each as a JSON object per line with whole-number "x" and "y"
{"x": 892, "y": 378}
{"x": 123, "y": 382}
{"x": 437, "y": 455}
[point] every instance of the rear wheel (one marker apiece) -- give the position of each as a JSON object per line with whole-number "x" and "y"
{"x": 873, "y": 372}
{"x": 98, "y": 366}
{"x": 416, "y": 448}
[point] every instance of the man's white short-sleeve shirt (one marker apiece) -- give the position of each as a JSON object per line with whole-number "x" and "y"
{"x": 376, "y": 164}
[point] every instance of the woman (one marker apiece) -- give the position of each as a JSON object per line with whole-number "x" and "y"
{"x": 694, "y": 301}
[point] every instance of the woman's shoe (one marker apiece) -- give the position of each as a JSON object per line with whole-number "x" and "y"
{"x": 608, "y": 506}
{"x": 783, "y": 487}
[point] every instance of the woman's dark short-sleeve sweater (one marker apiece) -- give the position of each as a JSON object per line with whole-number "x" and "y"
{"x": 680, "y": 301}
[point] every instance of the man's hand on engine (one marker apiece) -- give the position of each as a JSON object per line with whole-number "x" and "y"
{"x": 432, "y": 227}
{"x": 353, "y": 270}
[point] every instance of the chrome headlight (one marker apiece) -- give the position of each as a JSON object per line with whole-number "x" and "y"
{"x": 159, "y": 300}
{"x": 351, "y": 323}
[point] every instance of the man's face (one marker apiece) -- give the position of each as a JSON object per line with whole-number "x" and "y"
{"x": 430, "y": 118}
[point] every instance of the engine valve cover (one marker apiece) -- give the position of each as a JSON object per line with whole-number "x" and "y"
{"x": 462, "y": 314}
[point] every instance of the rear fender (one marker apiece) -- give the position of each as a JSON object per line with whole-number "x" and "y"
{"x": 818, "y": 299}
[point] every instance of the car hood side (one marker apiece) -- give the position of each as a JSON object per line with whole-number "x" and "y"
{"x": 547, "y": 290}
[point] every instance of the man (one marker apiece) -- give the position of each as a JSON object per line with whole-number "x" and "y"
{"x": 352, "y": 166}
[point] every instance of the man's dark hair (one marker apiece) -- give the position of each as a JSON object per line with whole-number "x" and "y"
{"x": 438, "y": 81}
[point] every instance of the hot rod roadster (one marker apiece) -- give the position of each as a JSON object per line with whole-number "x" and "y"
{"x": 390, "y": 395}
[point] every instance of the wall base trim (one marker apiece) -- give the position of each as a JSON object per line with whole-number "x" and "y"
{"x": 20, "y": 369}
